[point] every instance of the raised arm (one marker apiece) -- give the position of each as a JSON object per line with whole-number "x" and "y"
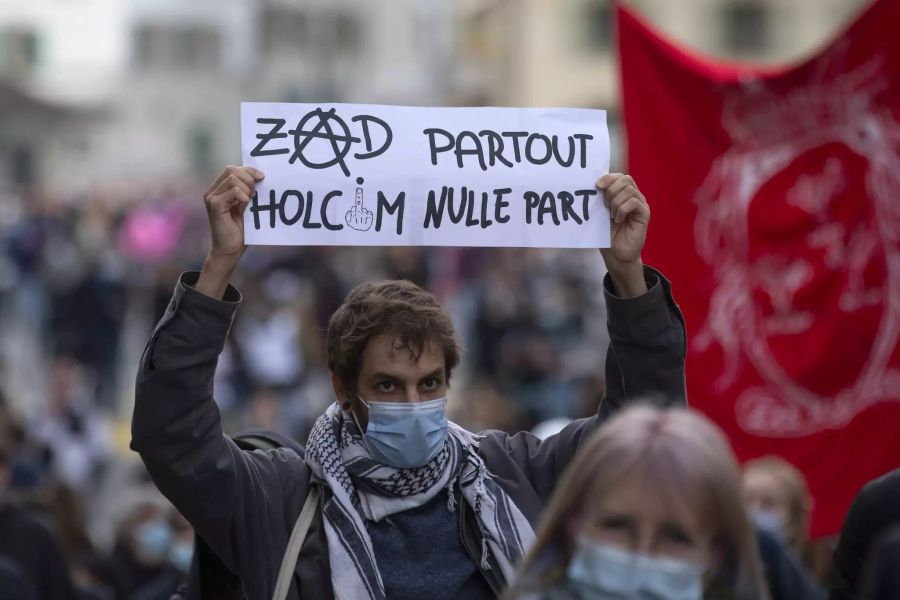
{"x": 646, "y": 329}
{"x": 176, "y": 426}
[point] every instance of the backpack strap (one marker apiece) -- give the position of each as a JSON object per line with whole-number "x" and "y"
{"x": 298, "y": 535}
{"x": 262, "y": 439}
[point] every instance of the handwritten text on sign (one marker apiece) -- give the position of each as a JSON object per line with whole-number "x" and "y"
{"x": 370, "y": 175}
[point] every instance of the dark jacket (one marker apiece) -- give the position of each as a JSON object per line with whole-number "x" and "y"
{"x": 32, "y": 546}
{"x": 124, "y": 573}
{"x": 881, "y": 577}
{"x": 14, "y": 583}
{"x": 873, "y": 512}
{"x": 244, "y": 504}
{"x": 786, "y": 575}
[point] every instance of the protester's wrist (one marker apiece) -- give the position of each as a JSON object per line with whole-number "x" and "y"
{"x": 628, "y": 278}
{"x": 221, "y": 262}
{"x": 214, "y": 275}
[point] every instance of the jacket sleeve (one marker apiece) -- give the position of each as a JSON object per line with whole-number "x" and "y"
{"x": 645, "y": 360}
{"x": 786, "y": 577}
{"x": 234, "y": 499}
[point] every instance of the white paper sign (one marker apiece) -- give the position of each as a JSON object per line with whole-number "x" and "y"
{"x": 374, "y": 175}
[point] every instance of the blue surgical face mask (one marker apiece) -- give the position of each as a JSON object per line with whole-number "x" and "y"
{"x": 153, "y": 539}
{"x": 769, "y": 520}
{"x": 405, "y": 435}
{"x": 180, "y": 555}
{"x": 602, "y": 571}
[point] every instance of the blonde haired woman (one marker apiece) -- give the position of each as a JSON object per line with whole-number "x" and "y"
{"x": 779, "y": 500}
{"x": 778, "y": 497}
{"x": 651, "y": 507}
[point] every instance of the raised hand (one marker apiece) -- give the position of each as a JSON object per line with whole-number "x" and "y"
{"x": 225, "y": 200}
{"x": 630, "y": 216}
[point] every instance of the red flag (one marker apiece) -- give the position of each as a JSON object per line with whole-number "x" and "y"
{"x": 776, "y": 213}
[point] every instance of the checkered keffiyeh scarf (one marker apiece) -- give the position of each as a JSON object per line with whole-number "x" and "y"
{"x": 364, "y": 489}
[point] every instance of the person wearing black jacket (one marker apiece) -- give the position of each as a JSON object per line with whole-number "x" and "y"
{"x": 14, "y": 583}
{"x": 871, "y": 515}
{"x": 785, "y": 573}
{"x": 410, "y": 505}
{"x": 881, "y": 578}
{"x": 32, "y": 547}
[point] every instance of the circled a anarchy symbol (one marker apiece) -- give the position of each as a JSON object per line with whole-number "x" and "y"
{"x": 340, "y": 142}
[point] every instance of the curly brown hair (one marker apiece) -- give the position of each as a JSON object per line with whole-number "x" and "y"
{"x": 400, "y": 309}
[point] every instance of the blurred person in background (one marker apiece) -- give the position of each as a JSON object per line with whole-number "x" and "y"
{"x": 74, "y": 429}
{"x": 142, "y": 545}
{"x": 64, "y": 506}
{"x": 483, "y": 407}
{"x": 650, "y": 507}
{"x": 123, "y": 248}
{"x": 177, "y": 564}
{"x": 31, "y": 545}
{"x": 269, "y": 335}
{"x": 781, "y": 504}
{"x": 84, "y": 284}
{"x": 27, "y": 462}
{"x": 534, "y": 333}
{"x": 779, "y": 500}
{"x": 873, "y": 513}
{"x": 405, "y": 486}
{"x": 265, "y": 410}
{"x": 61, "y": 507}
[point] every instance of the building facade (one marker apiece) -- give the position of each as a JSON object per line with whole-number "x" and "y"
{"x": 142, "y": 90}
{"x": 562, "y": 52}
{"x": 95, "y": 91}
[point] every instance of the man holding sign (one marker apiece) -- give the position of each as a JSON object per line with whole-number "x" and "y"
{"x": 407, "y": 505}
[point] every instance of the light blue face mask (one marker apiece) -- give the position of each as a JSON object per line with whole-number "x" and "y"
{"x": 180, "y": 555}
{"x": 605, "y": 572}
{"x": 769, "y": 520}
{"x": 405, "y": 435}
{"x": 153, "y": 539}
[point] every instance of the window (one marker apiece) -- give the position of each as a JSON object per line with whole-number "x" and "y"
{"x": 22, "y": 167}
{"x": 158, "y": 46}
{"x": 19, "y": 50}
{"x": 195, "y": 46}
{"x": 28, "y": 42}
{"x": 284, "y": 31}
{"x": 201, "y": 149}
{"x": 293, "y": 93}
{"x": 346, "y": 34}
{"x": 745, "y": 26}
{"x": 149, "y": 46}
{"x": 596, "y": 24}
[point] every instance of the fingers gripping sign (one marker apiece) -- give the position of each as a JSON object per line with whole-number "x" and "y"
{"x": 630, "y": 216}
{"x": 225, "y": 202}
{"x": 359, "y": 217}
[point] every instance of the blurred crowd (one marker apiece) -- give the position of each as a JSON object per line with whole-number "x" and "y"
{"x": 84, "y": 279}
